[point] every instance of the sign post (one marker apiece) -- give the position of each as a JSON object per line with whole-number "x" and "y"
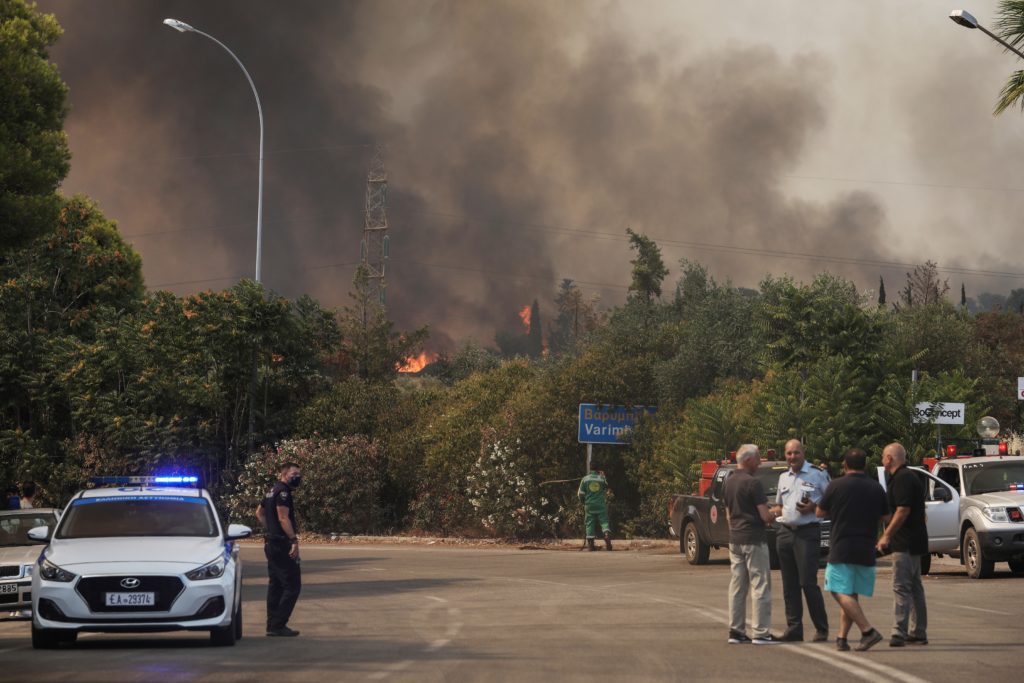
{"x": 939, "y": 414}
{"x": 608, "y": 424}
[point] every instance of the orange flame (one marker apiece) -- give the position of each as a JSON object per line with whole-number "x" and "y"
{"x": 417, "y": 363}
{"x": 524, "y": 315}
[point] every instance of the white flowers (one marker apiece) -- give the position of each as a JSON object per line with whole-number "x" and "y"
{"x": 504, "y": 495}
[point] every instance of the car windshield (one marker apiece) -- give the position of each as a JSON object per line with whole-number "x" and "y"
{"x": 138, "y": 515}
{"x": 13, "y": 528}
{"x": 997, "y": 475}
{"x": 769, "y": 475}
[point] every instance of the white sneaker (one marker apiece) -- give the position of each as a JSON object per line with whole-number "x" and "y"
{"x": 767, "y": 640}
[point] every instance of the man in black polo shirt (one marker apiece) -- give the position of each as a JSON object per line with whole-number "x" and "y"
{"x": 907, "y": 537}
{"x": 856, "y": 505}
{"x": 281, "y": 546}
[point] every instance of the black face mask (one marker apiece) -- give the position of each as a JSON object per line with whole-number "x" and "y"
{"x": 295, "y": 480}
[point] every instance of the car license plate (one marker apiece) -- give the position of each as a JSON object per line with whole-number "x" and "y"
{"x": 6, "y": 588}
{"x": 131, "y": 599}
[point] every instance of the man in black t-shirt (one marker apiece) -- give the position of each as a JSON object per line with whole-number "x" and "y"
{"x": 281, "y": 546}
{"x": 856, "y": 505}
{"x": 907, "y": 537}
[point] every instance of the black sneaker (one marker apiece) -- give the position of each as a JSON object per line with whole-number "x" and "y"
{"x": 737, "y": 638}
{"x": 767, "y": 640}
{"x": 821, "y": 637}
{"x": 869, "y": 640}
{"x": 792, "y": 638}
{"x": 897, "y": 641}
{"x": 842, "y": 644}
{"x": 914, "y": 640}
{"x": 283, "y": 632}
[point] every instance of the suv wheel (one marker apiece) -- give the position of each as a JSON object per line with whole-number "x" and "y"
{"x": 978, "y": 566}
{"x": 697, "y": 551}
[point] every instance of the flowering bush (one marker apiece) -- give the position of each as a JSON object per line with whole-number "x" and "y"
{"x": 506, "y": 501}
{"x": 341, "y": 483}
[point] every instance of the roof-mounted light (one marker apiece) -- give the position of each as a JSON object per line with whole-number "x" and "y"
{"x": 158, "y": 480}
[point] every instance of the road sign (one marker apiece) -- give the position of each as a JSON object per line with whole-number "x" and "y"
{"x": 1020, "y": 388}
{"x": 601, "y": 423}
{"x": 939, "y": 413}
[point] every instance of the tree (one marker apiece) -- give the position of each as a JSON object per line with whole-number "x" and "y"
{"x": 924, "y": 287}
{"x": 368, "y": 337}
{"x": 881, "y": 292}
{"x": 963, "y": 296}
{"x": 33, "y": 145}
{"x": 1009, "y": 26}
{"x": 576, "y": 317}
{"x": 648, "y": 269}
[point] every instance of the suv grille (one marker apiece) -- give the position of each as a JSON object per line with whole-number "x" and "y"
{"x": 95, "y": 588}
{"x": 10, "y": 570}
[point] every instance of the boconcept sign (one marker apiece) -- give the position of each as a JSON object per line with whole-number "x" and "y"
{"x": 939, "y": 413}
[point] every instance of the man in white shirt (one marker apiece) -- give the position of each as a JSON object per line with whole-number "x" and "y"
{"x": 798, "y": 543}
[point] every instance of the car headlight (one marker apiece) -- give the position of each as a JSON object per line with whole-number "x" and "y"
{"x": 995, "y": 514}
{"x": 27, "y": 571}
{"x": 51, "y": 572}
{"x": 210, "y": 570}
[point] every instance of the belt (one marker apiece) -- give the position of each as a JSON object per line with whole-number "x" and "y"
{"x": 796, "y": 527}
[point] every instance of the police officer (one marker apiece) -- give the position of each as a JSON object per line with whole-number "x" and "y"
{"x": 281, "y": 546}
{"x": 592, "y": 494}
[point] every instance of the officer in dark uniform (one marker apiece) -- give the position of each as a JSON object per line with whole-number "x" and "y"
{"x": 281, "y": 546}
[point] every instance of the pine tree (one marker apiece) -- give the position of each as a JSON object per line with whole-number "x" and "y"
{"x": 963, "y": 296}
{"x": 881, "y": 292}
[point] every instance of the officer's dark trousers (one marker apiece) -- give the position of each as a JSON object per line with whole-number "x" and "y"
{"x": 798, "y": 563}
{"x": 285, "y": 582}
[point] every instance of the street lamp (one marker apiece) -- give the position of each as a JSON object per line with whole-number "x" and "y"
{"x": 183, "y": 27}
{"x": 965, "y": 19}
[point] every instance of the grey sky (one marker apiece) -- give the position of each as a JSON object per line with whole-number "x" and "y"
{"x": 524, "y": 137}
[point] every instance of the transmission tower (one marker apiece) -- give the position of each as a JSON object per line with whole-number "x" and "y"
{"x": 373, "y": 250}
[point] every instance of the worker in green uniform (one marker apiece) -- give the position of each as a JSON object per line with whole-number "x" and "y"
{"x": 592, "y": 494}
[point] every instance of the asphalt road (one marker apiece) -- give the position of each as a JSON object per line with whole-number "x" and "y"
{"x": 428, "y": 613}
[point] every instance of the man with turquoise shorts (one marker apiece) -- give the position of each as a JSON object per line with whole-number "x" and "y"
{"x": 856, "y": 505}
{"x": 592, "y": 493}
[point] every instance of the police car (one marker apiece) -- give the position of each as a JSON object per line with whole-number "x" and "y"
{"x": 148, "y": 554}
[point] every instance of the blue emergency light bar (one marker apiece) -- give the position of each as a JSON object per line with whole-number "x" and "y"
{"x": 166, "y": 480}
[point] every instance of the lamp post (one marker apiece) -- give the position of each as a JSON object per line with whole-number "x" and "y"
{"x": 183, "y": 28}
{"x": 967, "y": 20}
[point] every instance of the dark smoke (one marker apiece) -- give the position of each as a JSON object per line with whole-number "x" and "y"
{"x": 523, "y": 138}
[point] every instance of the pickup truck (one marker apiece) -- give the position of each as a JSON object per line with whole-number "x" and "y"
{"x": 975, "y": 511}
{"x": 699, "y": 520}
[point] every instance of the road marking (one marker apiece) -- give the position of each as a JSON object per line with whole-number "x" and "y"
{"x": 852, "y": 665}
{"x": 452, "y": 630}
{"x": 976, "y": 609}
{"x": 855, "y": 665}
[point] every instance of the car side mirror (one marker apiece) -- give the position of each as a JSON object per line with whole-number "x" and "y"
{"x": 943, "y": 494}
{"x": 237, "y": 531}
{"x": 39, "y": 533}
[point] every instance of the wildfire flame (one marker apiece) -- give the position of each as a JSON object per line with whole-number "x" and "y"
{"x": 417, "y": 363}
{"x": 524, "y": 315}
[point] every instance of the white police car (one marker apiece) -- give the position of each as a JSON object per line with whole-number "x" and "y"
{"x": 146, "y": 555}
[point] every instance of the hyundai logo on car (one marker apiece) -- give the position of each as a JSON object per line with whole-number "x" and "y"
{"x": 130, "y": 582}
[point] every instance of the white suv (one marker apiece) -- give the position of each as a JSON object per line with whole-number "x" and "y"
{"x": 138, "y": 557}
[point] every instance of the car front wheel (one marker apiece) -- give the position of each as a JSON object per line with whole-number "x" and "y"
{"x": 978, "y": 567}
{"x": 49, "y": 638}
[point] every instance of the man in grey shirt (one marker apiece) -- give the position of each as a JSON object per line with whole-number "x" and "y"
{"x": 746, "y": 508}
